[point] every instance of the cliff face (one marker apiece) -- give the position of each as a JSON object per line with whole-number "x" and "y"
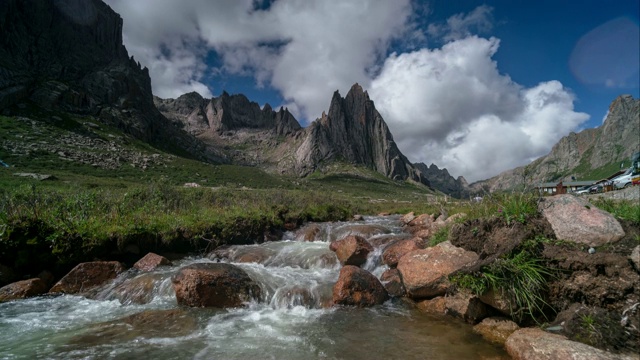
{"x": 67, "y": 55}
{"x": 225, "y": 113}
{"x": 355, "y": 132}
{"x": 578, "y": 154}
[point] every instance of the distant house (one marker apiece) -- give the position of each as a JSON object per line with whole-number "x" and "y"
{"x": 561, "y": 187}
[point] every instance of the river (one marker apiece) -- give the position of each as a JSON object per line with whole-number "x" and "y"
{"x": 291, "y": 320}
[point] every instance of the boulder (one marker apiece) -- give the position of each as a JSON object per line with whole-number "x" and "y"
{"x": 635, "y": 257}
{"x": 392, "y": 282}
{"x": 351, "y": 250}
{"x": 467, "y": 307}
{"x": 150, "y": 262}
{"x": 358, "y": 287}
{"x": 23, "y": 289}
{"x": 395, "y": 251}
{"x": 437, "y": 305}
{"x": 214, "y": 285}
{"x": 425, "y": 272}
{"x": 497, "y": 300}
{"x": 536, "y": 344}
{"x": 407, "y": 218}
{"x": 421, "y": 220}
{"x": 575, "y": 219}
{"x": 496, "y": 330}
{"x": 87, "y": 276}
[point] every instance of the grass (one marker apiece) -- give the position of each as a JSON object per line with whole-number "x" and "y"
{"x": 621, "y": 209}
{"x": 520, "y": 277}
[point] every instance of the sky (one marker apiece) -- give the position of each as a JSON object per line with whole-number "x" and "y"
{"x": 474, "y": 87}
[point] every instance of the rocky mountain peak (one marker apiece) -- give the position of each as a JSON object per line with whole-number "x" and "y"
{"x": 354, "y": 131}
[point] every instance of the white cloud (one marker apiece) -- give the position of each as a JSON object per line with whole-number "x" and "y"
{"x": 452, "y": 107}
{"x": 449, "y": 106}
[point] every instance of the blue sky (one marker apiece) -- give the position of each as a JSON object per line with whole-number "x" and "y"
{"x": 476, "y": 87}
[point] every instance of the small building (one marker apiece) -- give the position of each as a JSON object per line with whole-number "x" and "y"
{"x": 561, "y": 187}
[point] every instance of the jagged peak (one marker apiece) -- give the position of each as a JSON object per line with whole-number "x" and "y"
{"x": 190, "y": 95}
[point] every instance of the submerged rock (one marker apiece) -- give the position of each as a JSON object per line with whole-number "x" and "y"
{"x": 138, "y": 290}
{"x": 214, "y": 285}
{"x": 496, "y": 330}
{"x": 358, "y": 287}
{"x": 425, "y": 272}
{"x": 87, "y": 276}
{"x": 575, "y": 219}
{"x": 150, "y": 262}
{"x": 352, "y": 250}
{"x": 23, "y": 289}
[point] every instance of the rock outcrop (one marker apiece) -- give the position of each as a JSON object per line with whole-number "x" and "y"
{"x": 68, "y": 56}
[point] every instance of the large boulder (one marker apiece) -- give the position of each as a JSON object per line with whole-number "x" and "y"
{"x": 358, "y": 287}
{"x": 23, "y": 289}
{"x": 351, "y": 250}
{"x": 395, "y": 251}
{"x": 536, "y": 344}
{"x": 214, "y": 285}
{"x": 425, "y": 272}
{"x": 87, "y": 276}
{"x": 575, "y": 219}
{"x": 496, "y": 330}
{"x": 150, "y": 262}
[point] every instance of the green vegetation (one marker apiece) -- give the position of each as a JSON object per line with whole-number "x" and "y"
{"x": 520, "y": 277}
{"x": 621, "y": 209}
{"x": 441, "y": 235}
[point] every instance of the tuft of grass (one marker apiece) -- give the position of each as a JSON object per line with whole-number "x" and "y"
{"x": 441, "y": 235}
{"x": 622, "y": 209}
{"x": 520, "y": 276}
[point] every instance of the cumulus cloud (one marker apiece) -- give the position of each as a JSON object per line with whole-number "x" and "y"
{"x": 462, "y": 25}
{"x": 451, "y": 106}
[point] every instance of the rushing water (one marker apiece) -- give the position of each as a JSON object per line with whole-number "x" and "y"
{"x": 291, "y": 320}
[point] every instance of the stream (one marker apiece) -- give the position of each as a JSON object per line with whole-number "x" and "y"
{"x": 292, "y": 319}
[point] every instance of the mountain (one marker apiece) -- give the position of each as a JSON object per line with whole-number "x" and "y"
{"x": 591, "y": 154}
{"x": 441, "y": 180}
{"x": 67, "y": 56}
{"x": 352, "y": 131}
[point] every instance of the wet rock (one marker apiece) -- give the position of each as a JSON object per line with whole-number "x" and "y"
{"x": 138, "y": 290}
{"x": 467, "y": 307}
{"x": 86, "y": 276}
{"x": 497, "y": 300}
{"x": 386, "y": 240}
{"x": 351, "y": 250}
{"x": 425, "y": 272}
{"x": 6, "y": 275}
{"x": 23, "y": 289}
{"x": 309, "y": 232}
{"x": 536, "y": 344}
{"x": 496, "y": 330}
{"x": 296, "y": 295}
{"x": 358, "y": 287}
{"x": 214, "y": 285}
{"x": 395, "y": 251}
{"x": 358, "y": 218}
{"x": 436, "y": 306}
{"x": 392, "y": 282}
{"x": 635, "y": 258}
{"x": 407, "y": 218}
{"x": 575, "y": 219}
{"x": 147, "y": 324}
{"x": 364, "y": 230}
{"x": 150, "y": 262}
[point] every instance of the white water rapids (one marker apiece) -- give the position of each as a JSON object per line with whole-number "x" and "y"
{"x": 291, "y": 320}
